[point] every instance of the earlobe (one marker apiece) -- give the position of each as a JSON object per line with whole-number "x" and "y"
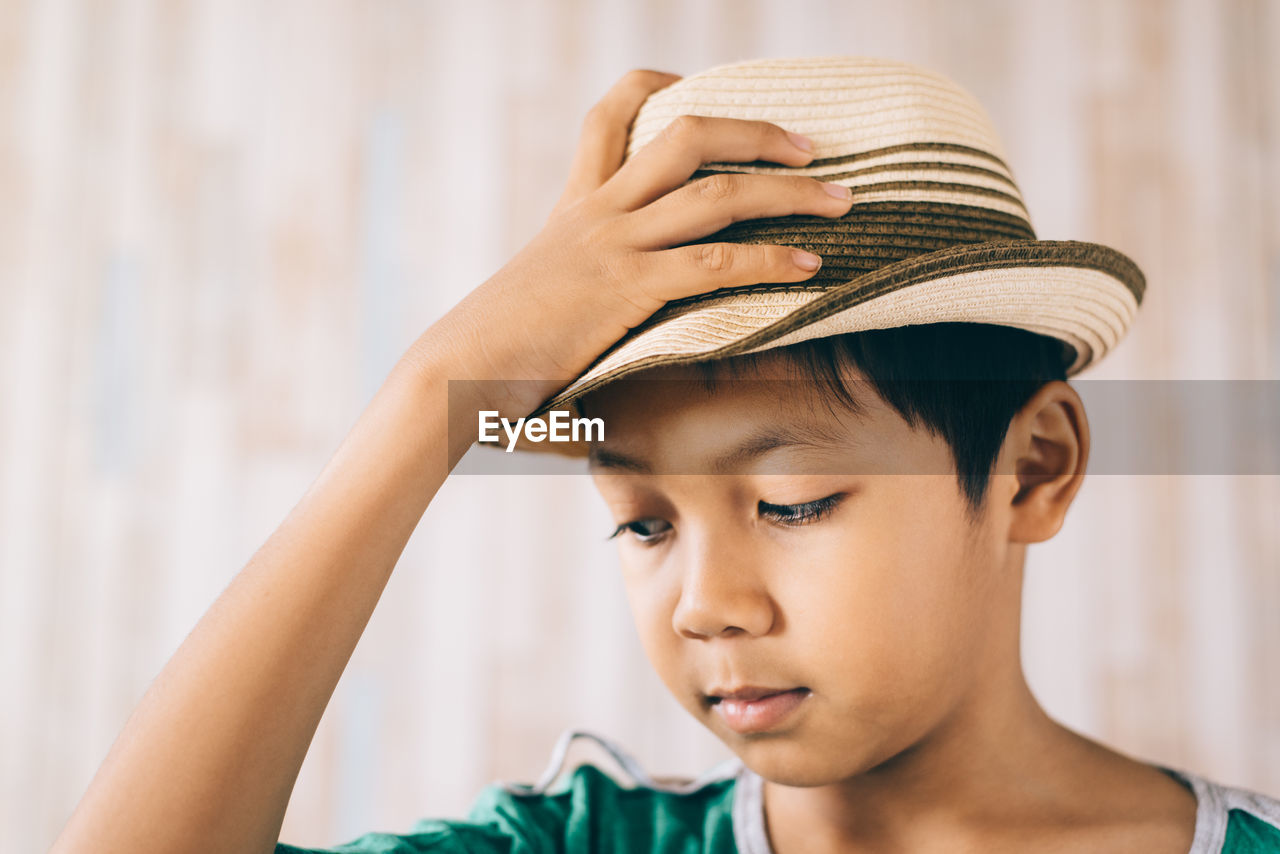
{"x": 1049, "y": 448}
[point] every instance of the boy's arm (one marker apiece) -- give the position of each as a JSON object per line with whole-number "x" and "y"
{"x": 208, "y": 759}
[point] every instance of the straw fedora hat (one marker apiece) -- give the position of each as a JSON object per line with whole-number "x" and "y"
{"x": 938, "y": 231}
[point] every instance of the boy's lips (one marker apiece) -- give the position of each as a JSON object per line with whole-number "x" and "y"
{"x": 753, "y": 709}
{"x": 745, "y": 692}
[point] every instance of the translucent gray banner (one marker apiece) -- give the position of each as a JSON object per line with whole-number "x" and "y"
{"x": 1136, "y": 427}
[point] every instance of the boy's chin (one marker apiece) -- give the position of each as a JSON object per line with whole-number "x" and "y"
{"x": 791, "y": 760}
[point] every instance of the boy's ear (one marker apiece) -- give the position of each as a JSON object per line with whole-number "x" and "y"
{"x": 1046, "y": 448}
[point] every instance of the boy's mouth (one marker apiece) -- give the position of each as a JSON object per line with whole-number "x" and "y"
{"x": 753, "y": 709}
{"x": 746, "y": 692}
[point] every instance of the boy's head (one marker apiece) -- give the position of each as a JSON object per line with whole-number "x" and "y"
{"x": 826, "y": 489}
{"x": 847, "y": 516}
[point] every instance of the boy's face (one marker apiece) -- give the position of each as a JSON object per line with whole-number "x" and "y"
{"x": 817, "y": 563}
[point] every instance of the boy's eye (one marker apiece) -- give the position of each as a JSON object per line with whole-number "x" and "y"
{"x": 645, "y": 530}
{"x": 800, "y": 514}
{"x": 651, "y": 530}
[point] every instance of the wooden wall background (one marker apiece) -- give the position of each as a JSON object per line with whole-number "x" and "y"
{"x": 221, "y": 222}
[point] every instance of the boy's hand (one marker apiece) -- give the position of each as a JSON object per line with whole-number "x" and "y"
{"x": 609, "y": 255}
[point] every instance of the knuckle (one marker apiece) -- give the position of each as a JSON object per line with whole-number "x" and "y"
{"x": 616, "y": 269}
{"x": 719, "y": 188}
{"x": 777, "y": 260}
{"x": 622, "y": 276}
{"x": 773, "y": 131}
{"x": 636, "y": 82}
{"x": 714, "y": 257}
{"x": 684, "y": 129}
{"x": 597, "y": 239}
{"x": 755, "y": 257}
{"x": 598, "y": 116}
{"x": 635, "y": 87}
{"x": 638, "y": 78}
{"x": 591, "y": 231}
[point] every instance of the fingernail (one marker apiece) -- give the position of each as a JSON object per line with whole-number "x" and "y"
{"x": 806, "y": 260}
{"x": 840, "y": 191}
{"x": 801, "y": 142}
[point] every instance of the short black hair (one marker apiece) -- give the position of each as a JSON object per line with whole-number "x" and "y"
{"x": 963, "y": 382}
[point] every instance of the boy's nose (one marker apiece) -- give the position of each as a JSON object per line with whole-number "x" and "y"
{"x": 722, "y": 592}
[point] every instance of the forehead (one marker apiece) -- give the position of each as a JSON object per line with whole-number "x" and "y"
{"x": 671, "y": 420}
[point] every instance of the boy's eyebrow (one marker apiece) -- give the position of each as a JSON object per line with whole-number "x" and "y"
{"x": 756, "y": 445}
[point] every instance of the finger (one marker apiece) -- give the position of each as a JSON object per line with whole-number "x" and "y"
{"x": 603, "y": 140}
{"x": 672, "y": 157}
{"x": 688, "y": 270}
{"x": 709, "y": 204}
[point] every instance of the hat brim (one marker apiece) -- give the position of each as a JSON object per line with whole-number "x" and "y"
{"x": 1083, "y": 294}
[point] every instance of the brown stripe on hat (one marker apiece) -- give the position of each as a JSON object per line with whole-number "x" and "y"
{"x": 866, "y": 177}
{"x": 822, "y": 163}
{"x": 928, "y": 166}
{"x": 939, "y": 185}
{"x": 968, "y": 259}
{"x": 936, "y": 217}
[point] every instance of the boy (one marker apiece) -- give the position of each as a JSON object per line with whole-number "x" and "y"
{"x": 824, "y": 477}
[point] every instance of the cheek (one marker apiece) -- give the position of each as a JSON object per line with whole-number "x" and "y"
{"x": 651, "y": 611}
{"x": 885, "y": 604}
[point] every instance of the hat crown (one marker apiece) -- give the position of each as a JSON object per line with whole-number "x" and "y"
{"x": 890, "y": 130}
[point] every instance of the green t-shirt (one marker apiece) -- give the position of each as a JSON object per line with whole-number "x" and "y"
{"x": 589, "y": 811}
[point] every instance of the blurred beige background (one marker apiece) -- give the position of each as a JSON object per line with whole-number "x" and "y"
{"x": 222, "y": 221}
